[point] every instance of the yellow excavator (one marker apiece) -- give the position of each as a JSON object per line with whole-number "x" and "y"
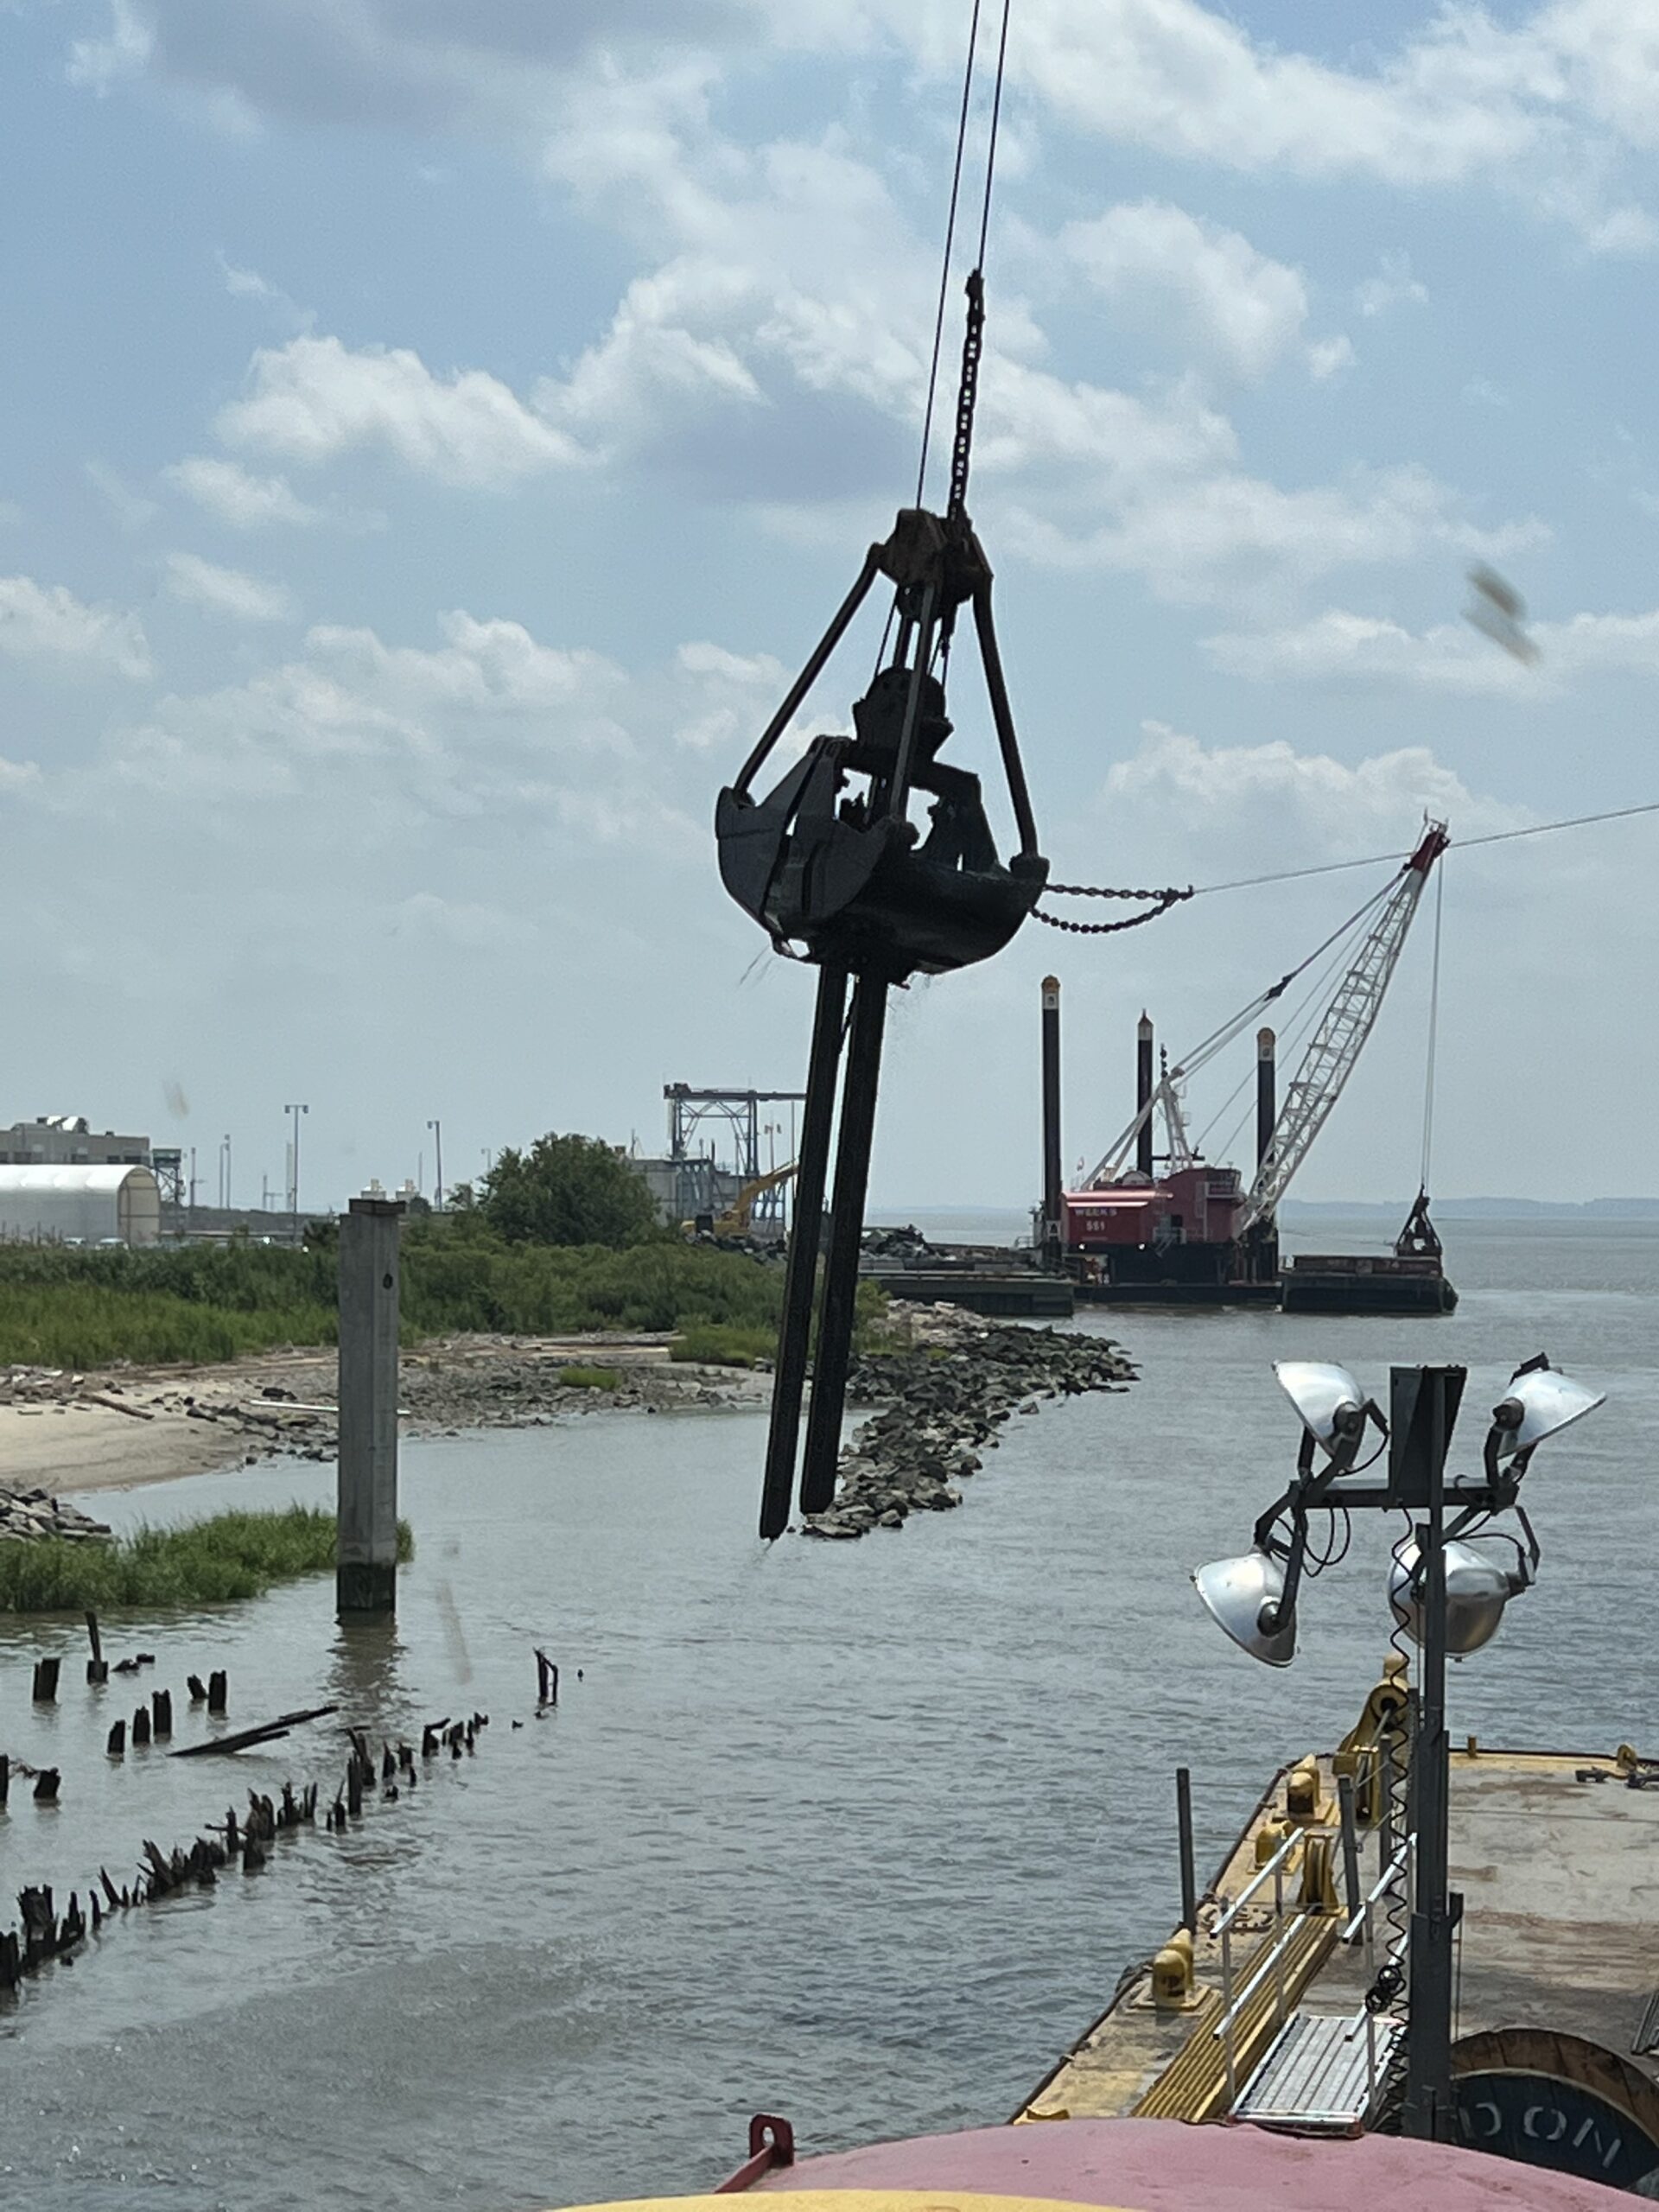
{"x": 735, "y": 1221}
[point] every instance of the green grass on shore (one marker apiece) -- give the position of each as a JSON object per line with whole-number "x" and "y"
{"x": 211, "y": 1562}
{"x": 63, "y": 1308}
{"x": 721, "y": 1344}
{"x": 591, "y": 1379}
{"x": 194, "y": 1304}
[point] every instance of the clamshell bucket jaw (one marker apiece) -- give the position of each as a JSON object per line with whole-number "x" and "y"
{"x": 829, "y": 862}
{"x": 831, "y": 865}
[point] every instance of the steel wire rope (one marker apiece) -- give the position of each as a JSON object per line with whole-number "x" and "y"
{"x": 1337, "y": 868}
{"x": 949, "y": 245}
{"x": 990, "y": 141}
{"x": 1299, "y": 1022}
{"x": 1201, "y": 1054}
{"x": 1434, "y": 1030}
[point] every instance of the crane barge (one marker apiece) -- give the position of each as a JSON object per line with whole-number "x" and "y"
{"x": 1178, "y": 1229}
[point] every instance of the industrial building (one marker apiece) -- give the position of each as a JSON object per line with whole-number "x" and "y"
{"x": 112, "y": 1203}
{"x": 66, "y": 1141}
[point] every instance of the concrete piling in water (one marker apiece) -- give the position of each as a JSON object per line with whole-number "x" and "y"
{"x": 370, "y": 1235}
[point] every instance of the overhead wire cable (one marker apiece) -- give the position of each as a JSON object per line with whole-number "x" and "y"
{"x": 1337, "y": 868}
{"x": 949, "y": 245}
{"x": 1543, "y": 829}
{"x": 1434, "y": 1028}
{"x": 990, "y": 142}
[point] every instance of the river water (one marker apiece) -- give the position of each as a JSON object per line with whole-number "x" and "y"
{"x": 862, "y": 1833}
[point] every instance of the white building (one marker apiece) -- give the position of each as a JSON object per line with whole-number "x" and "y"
{"x": 79, "y": 1205}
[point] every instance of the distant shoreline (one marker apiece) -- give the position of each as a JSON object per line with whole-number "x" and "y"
{"x": 1298, "y": 1210}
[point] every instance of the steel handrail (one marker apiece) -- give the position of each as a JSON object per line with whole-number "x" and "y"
{"x": 1291, "y": 1843}
{"x": 1395, "y": 1866}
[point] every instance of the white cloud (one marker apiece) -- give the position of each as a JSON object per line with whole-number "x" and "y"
{"x": 47, "y": 622}
{"x": 227, "y": 591}
{"x": 96, "y": 64}
{"x": 130, "y": 509}
{"x": 314, "y": 399}
{"x": 1220, "y": 534}
{"x": 1341, "y": 647}
{"x": 233, "y": 495}
{"x": 729, "y": 698}
{"x": 376, "y": 742}
{"x": 1546, "y": 105}
{"x": 1329, "y": 357}
{"x": 1203, "y": 285}
{"x": 1393, "y": 286}
{"x": 1267, "y": 798}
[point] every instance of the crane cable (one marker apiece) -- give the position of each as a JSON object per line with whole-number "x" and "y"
{"x": 968, "y": 390}
{"x": 1173, "y": 896}
{"x": 1434, "y": 1028}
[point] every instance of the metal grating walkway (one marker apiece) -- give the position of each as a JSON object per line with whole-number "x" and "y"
{"x": 1320, "y": 2075}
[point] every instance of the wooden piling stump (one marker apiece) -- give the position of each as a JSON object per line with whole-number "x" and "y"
{"x": 141, "y": 1727}
{"x": 98, "y": 1667}
{"x": 218, "y": 1691}
{"x": 46, "y": 1680}
{"x": 46, "y": 1786}
{"x": 160, "y": 1704}
{"x": 5, "y": 1776}
{"x": 197, "y": 1688}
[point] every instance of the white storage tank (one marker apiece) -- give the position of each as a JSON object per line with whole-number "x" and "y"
{"x": 79, "y": 1205}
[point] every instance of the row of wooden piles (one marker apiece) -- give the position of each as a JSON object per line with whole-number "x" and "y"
{"x": 242, "y": 1843}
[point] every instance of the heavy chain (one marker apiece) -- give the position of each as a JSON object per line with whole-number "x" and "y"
{"x": 962, "y": 445}
{"x": 1162, "y": 901}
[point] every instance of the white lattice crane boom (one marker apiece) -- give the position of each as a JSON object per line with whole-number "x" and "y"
{"x": 1340, "y": 1038}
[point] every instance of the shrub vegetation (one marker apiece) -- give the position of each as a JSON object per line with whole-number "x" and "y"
{"x": 211, "y": 1562}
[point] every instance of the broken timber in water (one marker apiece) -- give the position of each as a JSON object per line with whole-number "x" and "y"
{"x": 162, "y": 1874}
{"x": 267, "y": 1731}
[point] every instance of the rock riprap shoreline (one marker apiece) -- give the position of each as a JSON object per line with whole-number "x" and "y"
{"x": 27, "y": 1515}
{"x": 943, "y": 1397}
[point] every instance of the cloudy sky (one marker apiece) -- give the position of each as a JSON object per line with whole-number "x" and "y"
{"x": 433, "y": 433}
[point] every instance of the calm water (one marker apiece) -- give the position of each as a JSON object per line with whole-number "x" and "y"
{"x": 862, "y": 1833}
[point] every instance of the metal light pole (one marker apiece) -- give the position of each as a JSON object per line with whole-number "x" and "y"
{"x": 227, "y": 1171}
{"x": 437, "y": 1127}
{"x": 1435, "y": 1908}
{"x": 1448, "y": 1593}
{"x": 294, "y": 1172}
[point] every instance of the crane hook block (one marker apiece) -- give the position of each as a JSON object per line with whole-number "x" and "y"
{"x": 829, "y": 862}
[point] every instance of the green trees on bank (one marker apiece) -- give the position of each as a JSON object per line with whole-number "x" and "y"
{"x": 568, "y": 1190}
{"x": 563, "y": 1237}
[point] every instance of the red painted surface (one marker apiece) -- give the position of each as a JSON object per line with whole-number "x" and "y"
{"x": 1163, "y": 2165}
{"x": 1197, "y": 1205}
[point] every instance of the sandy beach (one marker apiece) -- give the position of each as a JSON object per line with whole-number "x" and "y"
{"x": 63, "y": 1431}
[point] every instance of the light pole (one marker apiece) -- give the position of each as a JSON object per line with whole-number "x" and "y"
{"x": 226, "y": 1147}
{"x": 1447, "y": 1593}
{"x": 294, "y": 1172}
{"x": 437, "y": 1129}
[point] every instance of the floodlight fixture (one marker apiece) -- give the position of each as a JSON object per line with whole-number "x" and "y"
{"x": 1332, "y": 1406}
{"x": 1541, "y": 1401}
{"x": 1478, "y": 1585}
{"x": 1246, "y": 1597}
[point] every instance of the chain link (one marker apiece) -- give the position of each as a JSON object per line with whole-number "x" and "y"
{"x": 1162, "y": 901}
